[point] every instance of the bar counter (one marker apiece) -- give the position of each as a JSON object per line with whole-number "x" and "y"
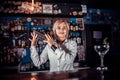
{"x": 77, "y": 74}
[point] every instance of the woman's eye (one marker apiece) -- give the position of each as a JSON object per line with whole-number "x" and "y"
{"x": 61, "y": 28}
{"x": 58, "y": 28}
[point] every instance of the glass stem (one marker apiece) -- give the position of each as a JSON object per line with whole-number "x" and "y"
{"x": 102, "y": 60}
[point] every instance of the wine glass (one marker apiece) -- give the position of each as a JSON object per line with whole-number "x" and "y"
{"x": 102, "y": 49}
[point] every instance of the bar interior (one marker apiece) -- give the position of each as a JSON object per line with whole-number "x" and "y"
{"x": 93, "y": 25}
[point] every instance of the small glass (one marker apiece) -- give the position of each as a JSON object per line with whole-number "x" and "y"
{"x": 102, "y": 49}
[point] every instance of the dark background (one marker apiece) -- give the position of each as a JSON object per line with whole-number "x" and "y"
{"x": 103, "y": 4}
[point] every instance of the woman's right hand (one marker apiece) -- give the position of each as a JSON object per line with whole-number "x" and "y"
{"x": 34, "y": 39}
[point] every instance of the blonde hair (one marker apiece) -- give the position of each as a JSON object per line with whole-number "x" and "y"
{"x": 59, "y": 21}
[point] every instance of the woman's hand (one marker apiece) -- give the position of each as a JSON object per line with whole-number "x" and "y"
{"x": 49, "y": 40}
{"x": 34, "y": 39}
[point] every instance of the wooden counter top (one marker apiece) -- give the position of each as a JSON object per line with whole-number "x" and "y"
{"x": 77, "y": 74}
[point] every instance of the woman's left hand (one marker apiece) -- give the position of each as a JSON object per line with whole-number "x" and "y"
{"x": 49, "y": 40}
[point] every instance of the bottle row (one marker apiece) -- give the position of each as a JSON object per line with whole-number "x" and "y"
{"x": 30, "y": 67}
{"x": 34, "y": 7}
{"x": 8, "y": 57}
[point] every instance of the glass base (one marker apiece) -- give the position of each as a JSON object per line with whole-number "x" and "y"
{"x": 102, "y": 68}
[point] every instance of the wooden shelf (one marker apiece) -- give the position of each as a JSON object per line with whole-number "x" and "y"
{"x": 40, "y": 15}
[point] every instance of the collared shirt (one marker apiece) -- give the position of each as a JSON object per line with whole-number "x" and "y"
{"x": 60, "y": 60}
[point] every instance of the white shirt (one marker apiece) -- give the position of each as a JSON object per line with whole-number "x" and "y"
{"x": 60, "y": 60}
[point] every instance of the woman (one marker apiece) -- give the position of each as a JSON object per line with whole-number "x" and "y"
{"x": 61, "y": 52}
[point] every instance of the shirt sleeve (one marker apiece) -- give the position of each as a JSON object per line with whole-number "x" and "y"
{"x": 68, "y": 52}
{"x": 36, "y": 58}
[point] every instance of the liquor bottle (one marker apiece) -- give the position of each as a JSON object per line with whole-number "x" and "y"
{"x": 74, "y": 36}
{"x": 78, "y": 39}
{"x": 74, "y": 26}
{"x": 71, "y": 26}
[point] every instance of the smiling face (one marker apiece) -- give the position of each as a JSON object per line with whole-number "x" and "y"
{"x": 61, "y": 29}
